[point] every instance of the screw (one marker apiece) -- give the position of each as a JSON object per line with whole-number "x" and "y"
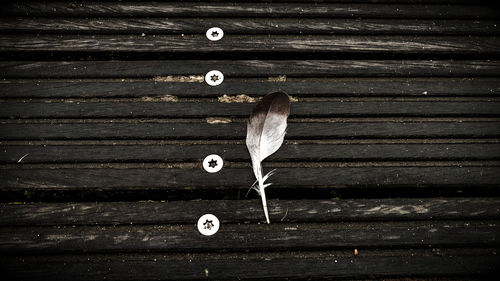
{"x": 215, "y": 34}
{"x": 208, "y": 224}
{"x": 214, "y": 78}
{"x": 213, "y": 163}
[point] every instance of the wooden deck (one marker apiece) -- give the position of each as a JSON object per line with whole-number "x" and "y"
{"x": 390, "y": 168}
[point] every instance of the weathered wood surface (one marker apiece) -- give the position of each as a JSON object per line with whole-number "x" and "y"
{"x": 251, "y": 68}
{"x": 397, "y": 115}
{"x": 244, "y": 237}
{"x": 339, "y": 108}
{"x": 250, "y": 26}
{"x": 333, "y": 87}
{"x": 429, "y": 45}
{"x": 238, "y": 9}
{"x": 147, "y": 151}
{"x": 171, "y": 129}
{"x": 96, "y": 177}
{"x": 482, "y": 262}
{"x": 248, "y": 211}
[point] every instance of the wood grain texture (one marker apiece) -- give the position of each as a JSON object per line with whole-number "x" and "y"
{"x": 175, "y": 238}
{"x": 336, "y": 129}
{"x": 86, "y": 132}
{"x": 456, "y": 45}
{"x": 250, "y": 68}
{"x": 423, "y": 87}
{"x": 104, "y": 109}
{"x": 168, "y": 178}
{"x": 103, "y": 153}
{"x": 297, "y": 265}
{"x": 241, "y": 211}
{"x": 237, "y": 9}
{"x": 249, "y": 26}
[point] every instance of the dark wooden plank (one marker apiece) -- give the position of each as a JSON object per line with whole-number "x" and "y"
{"x": 339, "y": 108}
{"x": 294, "y": 265}
{"x": 90, "y": 152}
{"x": 456, "y": 45}
{"x": 162, "y": 9}
{"x": 138, "y": 177}
{"x": 329, "y": 128}
{"x": 249, "y": 68}
{"x": 240, "y": 211}
{"x": 255, "y": 87}
{"x": 241, "y": 237}
{"x": 249, "y": 26}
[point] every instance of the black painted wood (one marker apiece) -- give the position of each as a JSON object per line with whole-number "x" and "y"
{"x": 250, "y": 26}
{"x": 96, "y": 152}
{"x": 297, "y": 265}
{"x": 104, "y": 109}
{"x": 136, "y": 177}
{"x": 230, "y": 237}
{"x": 329, "y": 128}
{"x": 420, "y": 87}
{"x": 430, "y": 45}
{"x": 251, "y": 68}
{"x": 249, "y": 211}
{"x": 237, "y": 9}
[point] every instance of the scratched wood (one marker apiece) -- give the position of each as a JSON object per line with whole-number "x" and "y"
{"x": 105, "y": 109}
{"x": 251, "y": 26}
{"x": 481, "y": 263}
{"x": 342, "y": 128}
{"x": 241, "y": 211}
{"x": 158, "y": 151}
{"x": 232, "y": 9}
{"x": 150, "y": 177}
{"x": 354, "y": 44}
{"x": 252, "y": 68}
{"x": 130, "y": 238}
{"x": 332, "y": 87}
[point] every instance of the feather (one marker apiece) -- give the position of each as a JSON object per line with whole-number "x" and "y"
{"x": 265, "y": 133}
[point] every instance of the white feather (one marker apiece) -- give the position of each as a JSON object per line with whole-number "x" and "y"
{"x": 265, "y": 134}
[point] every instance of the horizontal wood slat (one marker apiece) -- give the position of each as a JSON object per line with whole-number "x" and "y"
{"x": 237, "y": 9}
{"x": 489, "y": 87}
{"x": 296, "y": 265}
{"x": 250, "y": 68}
{"x": 240, "y": 211}
{"x": 172, "y": 238}
{"x": 337, "y": 129}
{"x": 104, "y": 109}
{"x": 456, "y": 45}
{"x": 250, "y": 26}
{"x": 137, "y": 177}
{"x": 95, "y": 152}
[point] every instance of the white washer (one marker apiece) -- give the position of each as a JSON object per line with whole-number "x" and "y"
{"x": 215, "y": 34}
{"x": 213, "y": 163}
{"x": 208, "y": 224}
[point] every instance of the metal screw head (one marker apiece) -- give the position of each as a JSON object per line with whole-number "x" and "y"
{"x": 213, "y": 163}
{"x": 214, "y": 78}
{"x": 214, "y": 34}
{"x": 208, "y": 224}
